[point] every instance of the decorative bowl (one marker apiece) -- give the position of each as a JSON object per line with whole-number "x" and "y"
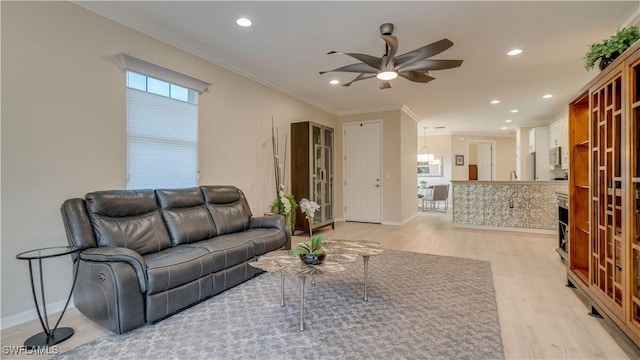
{"x": 311, "y": 259}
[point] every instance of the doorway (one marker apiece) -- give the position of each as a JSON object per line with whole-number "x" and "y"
{"x": 482, "y": 155}
{"x": 362, "y": 168}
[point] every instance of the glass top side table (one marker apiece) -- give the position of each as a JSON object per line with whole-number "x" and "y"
{"x": 49, "y": 336}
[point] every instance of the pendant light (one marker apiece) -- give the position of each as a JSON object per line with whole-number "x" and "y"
{"x": 424, "y": 149}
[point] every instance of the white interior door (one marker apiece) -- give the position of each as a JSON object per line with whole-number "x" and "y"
{"x": 362, "y": 163}
{"x": 485, "y": 161}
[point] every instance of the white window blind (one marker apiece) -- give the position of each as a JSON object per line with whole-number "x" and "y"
{"x": 162, "y": 134}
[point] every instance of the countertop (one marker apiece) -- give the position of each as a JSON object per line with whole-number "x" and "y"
{"x": 515, "y": 182}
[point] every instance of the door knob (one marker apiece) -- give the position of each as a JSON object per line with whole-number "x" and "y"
{"x": 377, "y": 185}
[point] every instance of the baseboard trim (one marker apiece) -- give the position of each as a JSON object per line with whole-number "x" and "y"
{"x": 25, "y": 316}
{"x": 499, "y": 228}
{"x": 400, "y": 223}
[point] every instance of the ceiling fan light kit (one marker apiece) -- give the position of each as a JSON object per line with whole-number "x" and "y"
{"x": 387, "y": 75}
{"x": 412, "y": 66}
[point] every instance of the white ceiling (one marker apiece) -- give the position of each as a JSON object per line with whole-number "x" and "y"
{"x": 287, "y": 46}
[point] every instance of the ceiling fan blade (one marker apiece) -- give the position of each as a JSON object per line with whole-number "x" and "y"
{"x": 359, "y": 67}
{"x": 385, "y": 85}
{"x": 360, "y": 77}
{"x": 423, "y": 52}
{"x": 416, "y": 76}
{"x": 425, "y": 65}
{"x": 372, "y": 61}
{"x": 392, "y": 43}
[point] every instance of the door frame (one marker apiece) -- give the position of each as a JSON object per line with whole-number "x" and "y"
{"x": 493, "y": 155}
{"x": 344, "y": 170}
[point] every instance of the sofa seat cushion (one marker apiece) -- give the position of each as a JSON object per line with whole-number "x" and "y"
{"x": 266, "y": 239}
{"x": 227, "y": 250}
{"x": 176, "y": 266}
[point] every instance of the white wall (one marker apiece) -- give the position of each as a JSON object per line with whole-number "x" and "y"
{"x": 63, "y": 129}
{"x": 408, "y": 157}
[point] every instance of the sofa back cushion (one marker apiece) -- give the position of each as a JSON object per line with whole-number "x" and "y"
{"x": 127, "y": 218}
{"x": 186, "y": 216}
{"x": 228, "y": 208}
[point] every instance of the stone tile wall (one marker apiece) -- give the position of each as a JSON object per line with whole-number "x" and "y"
{"x": 526, "y": 206}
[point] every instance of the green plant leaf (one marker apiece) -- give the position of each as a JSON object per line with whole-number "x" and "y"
{"x": 302, "y": 248}
{"x": 615, "y": 44}
{"x": 316, "y": 242}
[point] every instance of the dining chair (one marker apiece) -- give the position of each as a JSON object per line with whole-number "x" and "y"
{"x": 438, "y": 194}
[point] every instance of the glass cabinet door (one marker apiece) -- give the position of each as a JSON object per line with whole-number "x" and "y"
{"x": 317, "y": 170}
{"x": 328, "y": 178}
{"x": 322, "y": 172}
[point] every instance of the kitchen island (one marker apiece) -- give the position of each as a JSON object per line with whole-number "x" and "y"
{"x": 507, "y": 205}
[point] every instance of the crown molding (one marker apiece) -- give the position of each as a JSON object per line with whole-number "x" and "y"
{"x": 368, "y": 110}
{"x": 632, "y": 19}
{"x": 409, "y": 112}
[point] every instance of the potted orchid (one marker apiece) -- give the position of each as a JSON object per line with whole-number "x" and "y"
{"x": 310, "y": 252}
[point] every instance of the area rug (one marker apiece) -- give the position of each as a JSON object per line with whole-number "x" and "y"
{"x": 419, "y": 306}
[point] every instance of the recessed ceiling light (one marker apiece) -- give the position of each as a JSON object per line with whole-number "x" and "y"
{"x": 547, "y": 96}
{"x": 508, "y": 120}
{"x": 334, "y": 82}
{"x": 514, "y": 52}
{"x": 503, "y": 128}
{"x": 244, "y": 22}
{"x": 495, "y": 101}
{"x": 515, "y": 110}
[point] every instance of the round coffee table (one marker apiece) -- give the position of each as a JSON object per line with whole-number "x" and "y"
{"x": 365, "y": 248}
{"x": 281, "y": 261}
{"x": 339, "y": 252}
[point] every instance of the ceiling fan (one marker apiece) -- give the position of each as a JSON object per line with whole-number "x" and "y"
{"x": 412, "y": 66}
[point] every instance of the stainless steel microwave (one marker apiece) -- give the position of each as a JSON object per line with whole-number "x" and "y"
{"x": 555, "y": 156}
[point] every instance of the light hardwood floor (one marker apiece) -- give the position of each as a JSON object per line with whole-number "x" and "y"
{"x": 540, "y": 317}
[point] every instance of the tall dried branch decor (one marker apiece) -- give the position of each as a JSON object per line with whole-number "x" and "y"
{"x": 283, "y": 203}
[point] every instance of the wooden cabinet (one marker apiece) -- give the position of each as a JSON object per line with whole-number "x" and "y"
{"x": 633, "y": 201}
{"x": 604, "y": 187}
{"x": 607, "y": 250}
{"x": 579, "y": 232}
{"x": 312, "y": 171}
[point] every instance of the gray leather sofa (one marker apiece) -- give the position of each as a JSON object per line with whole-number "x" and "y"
{"x": 147, "y": 254}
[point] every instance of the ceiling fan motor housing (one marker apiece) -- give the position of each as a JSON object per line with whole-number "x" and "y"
{"x": 386, "y": 29}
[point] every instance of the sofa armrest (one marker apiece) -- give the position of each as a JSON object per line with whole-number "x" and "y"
{"x": 119, "y": 254}
{"x": 272, "y": 221}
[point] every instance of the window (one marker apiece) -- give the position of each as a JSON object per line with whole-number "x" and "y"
{"x": 162, "y": 133}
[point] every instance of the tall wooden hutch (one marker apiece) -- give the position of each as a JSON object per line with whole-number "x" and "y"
{"x": 312, "y": 172}
{"x": 604, "y": 191}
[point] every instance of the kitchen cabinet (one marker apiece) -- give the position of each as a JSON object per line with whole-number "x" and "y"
{"x": 538, "y": 154}
{"x": 554, "y": 135}
{"x": 564, "y": 143}
{"x": 538, "y": 139}
{"x": 312, "y": 172}
{"x": 559, "y": 138}
{"x": 604, "y": 190}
